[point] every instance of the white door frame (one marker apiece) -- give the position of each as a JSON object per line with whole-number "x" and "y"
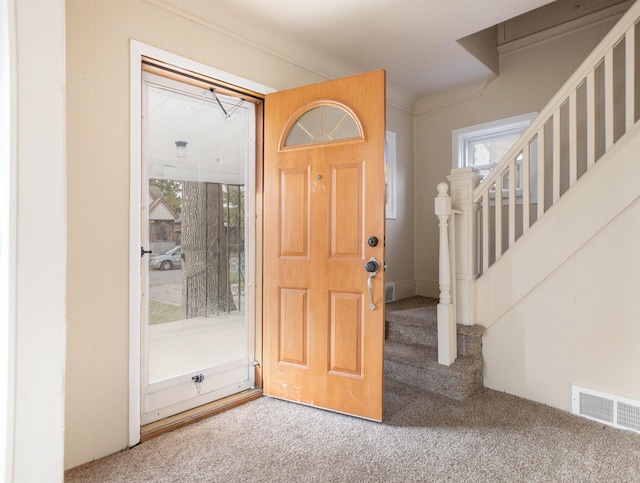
{"x": 137, "y": 51}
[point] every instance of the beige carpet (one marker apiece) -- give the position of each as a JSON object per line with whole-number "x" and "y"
{"x": 491, "y": 437}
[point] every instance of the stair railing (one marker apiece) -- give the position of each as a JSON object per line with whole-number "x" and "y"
{"x": 595, "y": 107}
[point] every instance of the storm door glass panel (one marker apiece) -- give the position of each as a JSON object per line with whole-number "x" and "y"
{"x": 197, "y": 156}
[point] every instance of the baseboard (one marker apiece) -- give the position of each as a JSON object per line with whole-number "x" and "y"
{"x": 405, "y": 289}
{"x": 197, "y": 414}
{"x": 427, "y": 288}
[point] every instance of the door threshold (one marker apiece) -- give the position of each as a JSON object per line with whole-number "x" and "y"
{"x": 157, "y": 428}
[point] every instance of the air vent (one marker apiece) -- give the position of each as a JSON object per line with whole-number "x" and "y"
{"x": 629, "y": 416}
{"x": 390, "y": 292}
{"x": 606, "y": 408}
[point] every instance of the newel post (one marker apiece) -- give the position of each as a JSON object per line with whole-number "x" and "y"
{"x": 463, "y": 183}
{"x": 447, "y": 334}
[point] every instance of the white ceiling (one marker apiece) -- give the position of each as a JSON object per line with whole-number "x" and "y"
{"x": 413, "y": 40}
{"x": 217, "y": 148}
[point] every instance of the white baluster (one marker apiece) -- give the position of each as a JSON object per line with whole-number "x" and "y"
{"x": 541, "y": 187}
{"x": 630, "y": 74}
{"x": 485, "y": 231}
{"x": 498, "y": 218}
{"x": 556, "y": 156}
{"x": 608, "y": 101}
{"x": 512, "y": 203}
{"x": 573, "y": 139}
{"x": 591, "y": 119}
{"x": 526, "y": 189}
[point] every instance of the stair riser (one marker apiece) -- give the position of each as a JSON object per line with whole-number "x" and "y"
{"x": 413, "y": 335}
{"x": 424, "y": 319}
{"x": 467, "y": 345}
{"x": 434, "y": 379}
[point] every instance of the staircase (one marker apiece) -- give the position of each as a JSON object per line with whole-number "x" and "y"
{"x": 411, "y": 350}
{"x": 543, "y": 251}
{"x": 488, "y": 225}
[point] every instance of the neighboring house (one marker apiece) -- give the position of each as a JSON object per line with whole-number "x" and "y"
{"x": 164, "y": 223}
{"x": 66, "y": 345}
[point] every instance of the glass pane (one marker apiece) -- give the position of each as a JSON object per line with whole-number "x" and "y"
{"x": 196, "y": 160}
{"x": 490, "y": 151}
{"x": 322, "y": 124}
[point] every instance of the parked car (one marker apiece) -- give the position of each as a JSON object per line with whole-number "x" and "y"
{"x": 166, "y": 261}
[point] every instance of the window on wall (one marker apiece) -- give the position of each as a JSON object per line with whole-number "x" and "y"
{"x": 483, "y": 145}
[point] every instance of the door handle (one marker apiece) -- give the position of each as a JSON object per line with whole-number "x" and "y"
{"x": 143, "y": 251}
{"x": 372, "y": 267}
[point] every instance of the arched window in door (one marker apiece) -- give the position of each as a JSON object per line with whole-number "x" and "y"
{"x": 322, "y": 123}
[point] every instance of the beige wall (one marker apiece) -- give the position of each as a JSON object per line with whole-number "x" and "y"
{"x": 98, "y": 35}
{"x": 399, "y": 251}
{"x": 529, "y": 77}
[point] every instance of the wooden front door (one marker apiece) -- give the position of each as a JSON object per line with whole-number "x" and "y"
{"x": 324, "y": 227}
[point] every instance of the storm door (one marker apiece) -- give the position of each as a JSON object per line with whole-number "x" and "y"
{"x": 198, "y": 245}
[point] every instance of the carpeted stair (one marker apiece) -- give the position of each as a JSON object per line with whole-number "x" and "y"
{"x": 411, "y": 350}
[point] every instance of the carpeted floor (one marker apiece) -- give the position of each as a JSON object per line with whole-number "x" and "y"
{"x": 490, "y": 437}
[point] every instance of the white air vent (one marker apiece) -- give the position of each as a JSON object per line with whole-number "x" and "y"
{"x": 390, "y": 292}
{"x": 606, "y": 408}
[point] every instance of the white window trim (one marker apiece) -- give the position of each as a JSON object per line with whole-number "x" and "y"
{"x": 390, "y": 160}
{"x": 8, "y": 168}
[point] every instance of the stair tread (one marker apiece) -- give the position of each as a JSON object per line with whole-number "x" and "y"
{"x": 411, "y": 303}
{"x": 418, "y": 311}
{"x": 416, "y": 317}
{"x": 470, "y": 330}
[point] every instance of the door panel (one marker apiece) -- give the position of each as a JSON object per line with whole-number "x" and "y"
{"x": 294, "y": 206}
{"x": 346, "y": 334}
{"x": 346, "y": 211}
{"x": 324, "y": 196}
{"x": 293, "y": 328}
